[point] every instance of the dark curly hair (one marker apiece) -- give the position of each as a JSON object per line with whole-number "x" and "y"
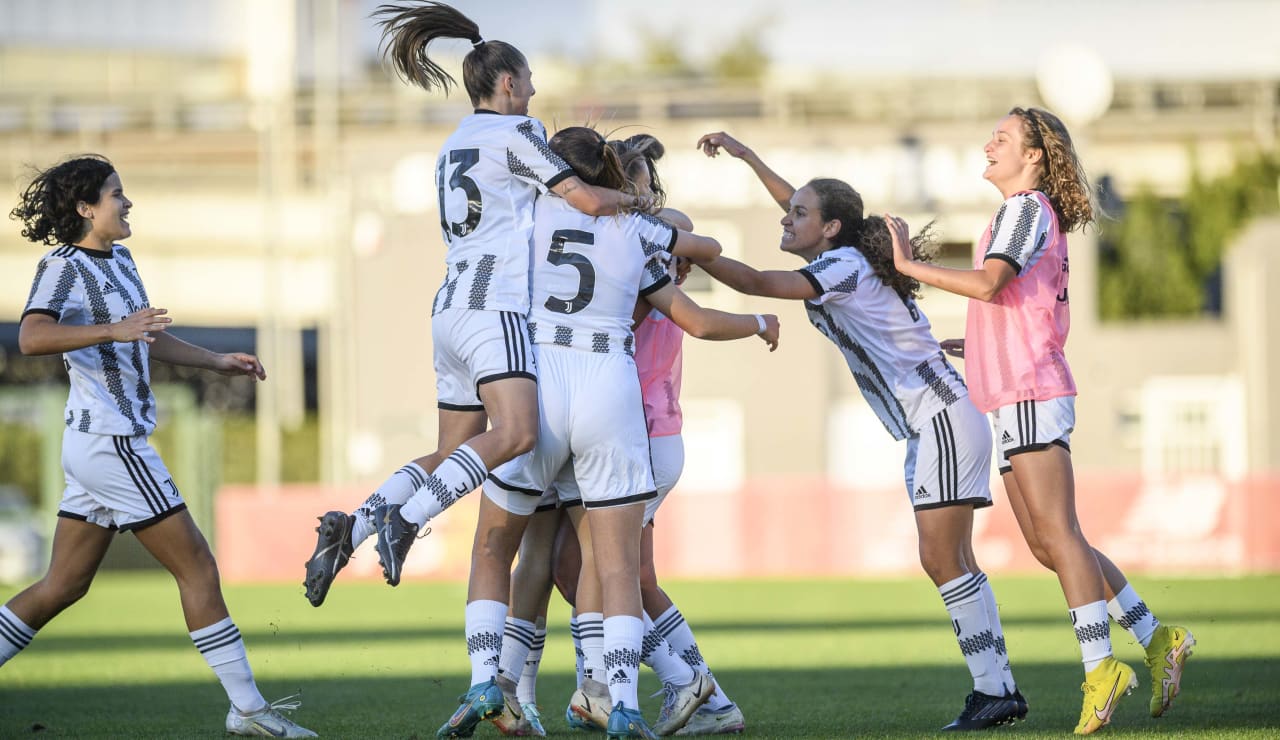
{"x": 869, "y": 235}
{"x": 47, "y": 208}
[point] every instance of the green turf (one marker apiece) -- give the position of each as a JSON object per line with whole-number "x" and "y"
{"x": 804, "y": 658}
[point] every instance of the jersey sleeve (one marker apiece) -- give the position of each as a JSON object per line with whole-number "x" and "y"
{"x": 831, "y": 276}
{"x": 529, "y": 157}
{"x": 1019, "y": 230}
{"x": 656, "y": 238}
{"x": 52, "y": 291}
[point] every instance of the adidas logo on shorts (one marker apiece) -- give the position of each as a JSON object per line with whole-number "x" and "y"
{"x": 921, "y": 493}
{"x": 619, "y": 677}
{"x": 1006, "y": 438}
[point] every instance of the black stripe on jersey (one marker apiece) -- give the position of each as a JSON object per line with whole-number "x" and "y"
{"x": 516, "y": 341}
{"x": 85, "y": 420}
{"x": 110, "y": 360}
{"x": 228, "y": 635}
{"x": 658, "y": 284}
{"x": 935, "y": 383}
{"x": 873, "y": 384}
{"x": 995, "y": 223}
{"x": 512, "y": 487}
{"x": 132, "y": 276}
{"x": 141, "y": 476}
{"x": 1017, "y": 268}
{"x": 564, "y": 175}
{"x": 35, "y": 285}
{"x": 657, "y": 273}
{"x": 539, "y": 143}
{"x": 1022, "y": 228}
{"x": 623, "y": 501}
{"x": 520, "y": 169}
{"x": 671, "y": 238}
{"x": 62, "y": 289}
{"x": 817, "y": 286}
{"x": 498, "y": 376}
{"x": 479, "y": 296}
{"x": 948, "y": 462}
{"x": 459, "y": 407}
{"x": 43, "y": 312}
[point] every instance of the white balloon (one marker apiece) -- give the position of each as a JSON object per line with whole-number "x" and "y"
{"x": 1074, "y": 82}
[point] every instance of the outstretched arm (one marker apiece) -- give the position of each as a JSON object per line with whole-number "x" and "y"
{"x": 597, "y": 201}
{"x": 779, "y": 189}
{"x": 170, "y": 349}
{"x": 708, "y": 323}
{"x": 787, "y": 284}
{"x": 984, "y": 284}
{"x": 41, "y": 334}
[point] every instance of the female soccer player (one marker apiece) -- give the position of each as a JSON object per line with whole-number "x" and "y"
{"x": 856, "y": 298}
{"x": 488, "y": 173}
{"x": 1015, "y": 336}
{"x": 88, "y": 304}
{"x": 587, "y": 274}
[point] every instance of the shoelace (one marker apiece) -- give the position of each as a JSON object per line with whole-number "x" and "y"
{"x": 668, "y": 701}
{"x": 287, "y": 704}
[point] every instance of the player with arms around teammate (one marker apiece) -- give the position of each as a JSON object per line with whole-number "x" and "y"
{"x": 88, "y": 304}
{"x": 1014, "y": 349}
{"x": 488, "y": 174}
{"x": 856, "y": 298}
{"x": 587, "y": 274}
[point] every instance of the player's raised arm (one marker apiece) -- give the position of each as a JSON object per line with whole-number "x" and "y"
{"x": 779, "y": 189}
{"x": 709, "y": 323}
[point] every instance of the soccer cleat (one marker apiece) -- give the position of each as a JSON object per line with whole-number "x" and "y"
{"x": 531, "y": 721}
{"x": 1167, "y": 653}
{"x": 1103, "y": 687}
{"x": 590, "y": 703}
{"x": 268, "y": 721}
{"x": 509, "y": 721}
{"x": 1022, "y": 704}
{"x": 706, "y": 721}
{"x": 575, "y": 722}
{"x": 680, "y": 702}
{"x": 984, "y": 710}
{"x": 395, "y": 536}
{"x": 333, "y": 550}
{"x": 482, "y": 701}
{"x": 625, "y": 723}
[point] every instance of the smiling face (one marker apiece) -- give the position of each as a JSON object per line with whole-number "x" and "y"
{"x": 1011, "y": 165}
{"x": 521, "y": 89}
{"x": 804, "y": 233}
{"x": 108, "y": 218}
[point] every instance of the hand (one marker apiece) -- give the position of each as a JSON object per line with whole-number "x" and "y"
{"x": 901, "y": 235}
{"x": 683, "y": 266}
{"x": 771, "y": 329}
{"x": 642, "y": 202}
{"x": 239, "y": 363}
{"x": 137, "y": 325}
{"x": 953, "y": 347}
{"x": 711, "y": 144}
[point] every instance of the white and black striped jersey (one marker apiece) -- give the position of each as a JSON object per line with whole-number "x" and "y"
{"x": 489, "y": 172}
{"x": 1019, "y": 231}
{"x": 885, "y": 339}
{"x": 110, "y": 382}
{"x": 588, "y": 271}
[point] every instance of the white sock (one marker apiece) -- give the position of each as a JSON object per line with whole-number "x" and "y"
{"x": 460, "y": 474}
{"x": 485, "y": 623}
{"x": 527, "y": 692}
{"x": 517, "y": 641}
{"x": 579, "y": 657}
{"x": 671, "y": 625}
{"x": 656, "y": 653}
{"x": 591, "y": 632}
{"x": 1093, "y": 631}
{"x": 997, "y": 631}
{"x": 1131, "y": 612}
{"x": 397, "y": 489}
{"x": 622, "y": 636}
{"x": 963, "y": 599}
{"x": 14, "y": 634}
{"x": 223, "y": 649}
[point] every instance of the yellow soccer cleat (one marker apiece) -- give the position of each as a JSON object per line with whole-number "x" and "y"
{"x": 1103, "y": 687}
{"x": 1166, "y": 654}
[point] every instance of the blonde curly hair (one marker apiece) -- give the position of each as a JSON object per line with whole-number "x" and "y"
{"x": 1063, "y": 179}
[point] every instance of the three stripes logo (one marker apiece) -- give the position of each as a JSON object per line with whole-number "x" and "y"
{"x": 1006, "y": 438}
{"x": 618, "y": 677}
{"x": 921, "y": 493}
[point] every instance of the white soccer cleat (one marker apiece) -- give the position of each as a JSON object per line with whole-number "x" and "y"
{"x": 268, "y": 721}
{"x": 727, "y": 721}
{"x": 590, "y": 703}
{"x": 680, "y": 702}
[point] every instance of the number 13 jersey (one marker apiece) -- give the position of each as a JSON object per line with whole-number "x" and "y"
{"x": 488, "y": 174}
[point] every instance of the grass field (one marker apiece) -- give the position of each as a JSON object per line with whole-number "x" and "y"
{"x": 804, "y": 658}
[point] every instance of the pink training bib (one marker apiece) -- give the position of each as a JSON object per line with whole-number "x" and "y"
{"x": 658, "y": 360}
{"x": 1015, "y": 344}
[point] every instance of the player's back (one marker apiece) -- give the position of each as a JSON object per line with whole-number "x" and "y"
{"x": 587, "y": 273}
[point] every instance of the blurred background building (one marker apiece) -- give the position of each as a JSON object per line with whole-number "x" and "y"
{"x": 284, "y": 203}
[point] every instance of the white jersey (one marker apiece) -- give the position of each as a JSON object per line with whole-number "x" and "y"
{"x": 885, "y": 339}
{"x": 588, "y": 271}
{"x": 489, "y": 172}
{"x": 110, "y": 382}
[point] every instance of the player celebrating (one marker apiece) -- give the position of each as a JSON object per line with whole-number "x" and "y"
{"x": 1019, "y": 315}
{"x": 489, "y": 171}
{"x": 867, "y": 309}
{"x": 88, "y": 304}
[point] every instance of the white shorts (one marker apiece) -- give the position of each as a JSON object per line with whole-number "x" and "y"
{"x": 667, "y": 454}
{"x": 115, "y": 482}
{"x": 949, "y": 462}
{"x": 472, "y": 348}
{"x": 589, "y": 412}
{"x": 1028, "y": 426}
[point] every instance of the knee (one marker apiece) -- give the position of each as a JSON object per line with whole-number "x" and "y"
{"x": 648, "y": 579}
{"x": 61, "y": 592}
{"x": 940, "y": 567}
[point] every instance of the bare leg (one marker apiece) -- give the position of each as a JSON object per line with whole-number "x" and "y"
{"x": 78, "y": 549}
